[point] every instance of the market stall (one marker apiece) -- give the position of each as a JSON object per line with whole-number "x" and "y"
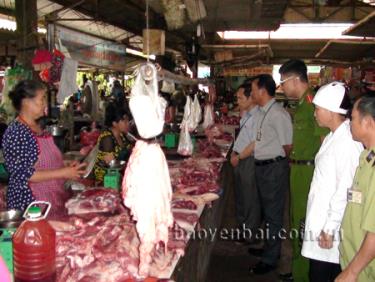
{"x": 100, "y": 229}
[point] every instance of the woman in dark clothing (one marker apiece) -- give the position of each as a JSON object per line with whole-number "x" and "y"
{"x": 118, "y": 93}
{"x": 113, "y": 143}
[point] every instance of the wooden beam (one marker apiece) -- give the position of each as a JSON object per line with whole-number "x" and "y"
{"x": 354, "y": 3}
{"x": 346, "y": 13}
{"x": 168, "y": 76}
{"x": 242, "y": 59}
{"x": 27, "y": 23}
{"x": 235, "y": 46}
{"x": 359, "y": 23}
{"x": 341, "y": 5}
{"x": 300, "y": 13}
{"x": 332, "y": 13}
{"x": 172, "y": 39}
{"x": 8, "y": 12}
{"x": 369, "y": 42}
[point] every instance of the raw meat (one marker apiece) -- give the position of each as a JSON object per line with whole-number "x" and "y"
{"x": 178, "y": 238}
{"x": 208, "y": 150}
{"x": 94, "y": 201}
{"x": 198, "y": 200}
{"x": 183, "y": 204}
{"x": 190, "y": 218}
{"x": 213, "y": 131}
{"x": 225, "y": 136}
{"x": 99, "y": 249}
{"x": 196, "y": 177}
{"x": 228, "y": 120}
{"x": 107, "y": 249}
{"x": 147, "y": 193}
{"x": 185, "y": 220}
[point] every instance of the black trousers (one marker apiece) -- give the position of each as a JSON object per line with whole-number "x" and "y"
{"x": 273, "y": 183}
{"x": 246, "y": 194}
{"x": 322, "y": 271}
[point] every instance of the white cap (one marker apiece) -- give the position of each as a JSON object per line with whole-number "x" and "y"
{"x": 330, "y": 97}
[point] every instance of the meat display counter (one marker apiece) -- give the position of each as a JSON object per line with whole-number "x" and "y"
{"x": 98, "y": 240}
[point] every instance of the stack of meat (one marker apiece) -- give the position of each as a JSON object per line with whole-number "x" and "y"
{"x": 208, "y": 150}
{"x": 106, "y": 249}
{"x": 195, "y": 176}
{"x": 225, "y": 136}
{"x": 228, "y": 120}
{"x": 100, "y": 249}
{"x": 96, "y": 200}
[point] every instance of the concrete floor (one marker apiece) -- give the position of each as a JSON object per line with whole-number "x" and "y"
{"x": 230, "y": 262}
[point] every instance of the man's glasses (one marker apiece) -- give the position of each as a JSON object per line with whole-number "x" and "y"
{"x": 286, "y": 79}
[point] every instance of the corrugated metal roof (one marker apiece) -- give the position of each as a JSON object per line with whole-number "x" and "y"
{"x": 78, "y": 22}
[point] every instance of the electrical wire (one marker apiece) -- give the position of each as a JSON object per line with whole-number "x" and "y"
{"x": 147, "y": 32}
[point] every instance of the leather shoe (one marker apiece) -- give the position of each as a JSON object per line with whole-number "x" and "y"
{"x": 261, "y": 268}
{"x": 255, "y": 252}
{"x": 240, "y": 241}
{"x": 286, "y": 277}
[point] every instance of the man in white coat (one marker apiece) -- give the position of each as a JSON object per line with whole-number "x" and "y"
{"x": 335, "y": 166}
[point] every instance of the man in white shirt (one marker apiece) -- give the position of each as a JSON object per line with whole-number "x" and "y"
{"x": 242, "y": 160}
{"x": 274, "y": 133}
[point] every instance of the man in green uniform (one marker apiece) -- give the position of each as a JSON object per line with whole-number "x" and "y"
{"x": 357, "y": 248}
{"x": 307, "y": 136}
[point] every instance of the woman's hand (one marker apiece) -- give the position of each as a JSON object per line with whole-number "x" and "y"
{"x": 234, "y": 160}
{"x": 70, "y": 162}
{"x": 108, "y": 157}
{"x": 325, "y": 240}
{"x": 75, "y": 170}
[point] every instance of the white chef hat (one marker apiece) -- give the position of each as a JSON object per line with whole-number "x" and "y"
{"x": 331, "y": 97}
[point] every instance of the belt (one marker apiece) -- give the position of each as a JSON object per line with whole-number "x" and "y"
{"x": 302, "y": 162}
{"x": 152, "y": 140}
{"x": 269, "y": 161}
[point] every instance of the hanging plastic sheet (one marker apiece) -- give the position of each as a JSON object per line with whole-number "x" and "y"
{"x": 68, "y": 84}
{"x": 147, "y": 107}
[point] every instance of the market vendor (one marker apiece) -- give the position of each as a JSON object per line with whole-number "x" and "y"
{"x": 35, "y": 165}
{"x": 113, "y": 143}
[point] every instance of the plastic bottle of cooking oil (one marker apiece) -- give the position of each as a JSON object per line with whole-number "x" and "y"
{"x": 34, "y": 243}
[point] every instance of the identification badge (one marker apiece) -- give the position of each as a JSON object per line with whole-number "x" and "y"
{"x": 354, "y": 196}
{"x": 259, "y": 135}
{"x": 370, "y": 156}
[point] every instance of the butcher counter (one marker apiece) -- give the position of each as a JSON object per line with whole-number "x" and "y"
{"x": 98, "y": 241}
{"x": 193, "y": 266}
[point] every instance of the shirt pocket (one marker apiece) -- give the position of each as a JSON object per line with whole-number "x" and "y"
{"x": 303, "y": 123}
